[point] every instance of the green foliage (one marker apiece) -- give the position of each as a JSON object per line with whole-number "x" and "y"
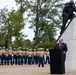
{"x": 46, "y": 32}
{"x": 3, "y": 25}
{"x": 23, "y": 5}
{"x": 16, "y": 22}
{"x": 11, "y": 24}
{"x": 22, "y": 43}
{"x": 46, "y": 44}
{"x": 45, "y": 17}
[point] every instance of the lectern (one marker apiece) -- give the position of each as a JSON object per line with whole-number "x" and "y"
{"x": 57, "y": 65}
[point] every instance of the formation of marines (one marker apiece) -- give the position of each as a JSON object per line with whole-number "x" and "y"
{"x": 21, "y": 57}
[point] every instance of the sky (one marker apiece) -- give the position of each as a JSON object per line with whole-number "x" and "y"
{"x": 11, "y": 3}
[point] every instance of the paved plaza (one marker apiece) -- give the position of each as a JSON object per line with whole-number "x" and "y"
{"x": 29, "y": 70}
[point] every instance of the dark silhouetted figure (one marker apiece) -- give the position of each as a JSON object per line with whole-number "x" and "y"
{"x": 68, "y": 13}
{"x": 6, "y": 43}
{"x": 62, "y": 47}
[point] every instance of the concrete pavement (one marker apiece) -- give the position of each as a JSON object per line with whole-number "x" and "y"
{"x": 29, "y": 70}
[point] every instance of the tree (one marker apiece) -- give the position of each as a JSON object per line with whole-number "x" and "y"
{"x": 11, "y": 25}
{"x": 16, "y": 23}
{"x": 23, "y": 5}
{"x": 3, "y": 25}
{"x": 45, "y": 18}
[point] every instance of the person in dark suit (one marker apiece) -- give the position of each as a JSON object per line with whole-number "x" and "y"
{"x": 57, "y": 57}
{"x": 63, "y": 46}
